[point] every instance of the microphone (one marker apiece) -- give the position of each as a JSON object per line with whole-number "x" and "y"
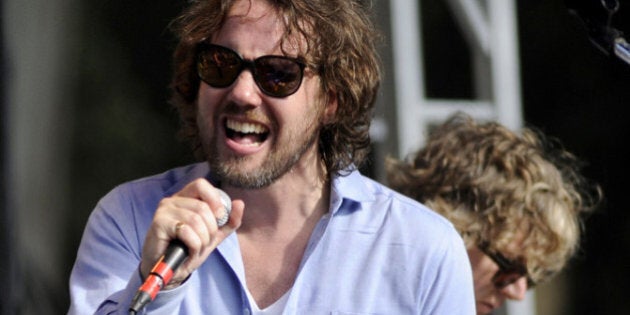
{"x": 173, "y": 257}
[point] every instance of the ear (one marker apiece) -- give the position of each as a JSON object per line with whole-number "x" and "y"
{"x": 330, "y": 109}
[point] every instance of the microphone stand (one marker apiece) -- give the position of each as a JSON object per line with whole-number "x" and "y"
{"x": 606, "y": 38}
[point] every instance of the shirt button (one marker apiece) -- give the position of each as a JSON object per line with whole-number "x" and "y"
{"x": 246, "y": 311}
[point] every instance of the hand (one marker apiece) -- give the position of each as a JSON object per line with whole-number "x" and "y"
{"x": 195, "y": 210}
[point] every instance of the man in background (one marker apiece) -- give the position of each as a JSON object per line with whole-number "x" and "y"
{"x": 516, "y": 199}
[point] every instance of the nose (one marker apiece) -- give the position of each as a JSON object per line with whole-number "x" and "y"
{"x": 516, "y": 290}
{"x": 244, "y": 90}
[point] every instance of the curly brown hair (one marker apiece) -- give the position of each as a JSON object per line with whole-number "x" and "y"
{"x": 340, "y": 46}
{"x": 500, "y": 187}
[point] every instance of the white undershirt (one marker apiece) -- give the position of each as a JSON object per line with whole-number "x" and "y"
{"x": 274, "y": 309}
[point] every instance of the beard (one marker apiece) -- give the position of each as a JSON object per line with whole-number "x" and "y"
{"x": 285, "y": 153}
{"x": 280, "y": 161}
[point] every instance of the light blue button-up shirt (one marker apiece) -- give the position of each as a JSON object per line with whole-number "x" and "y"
{"x": 375, "y": 252}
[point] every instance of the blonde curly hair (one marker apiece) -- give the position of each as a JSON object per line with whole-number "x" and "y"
{"x": 500, "y": 187}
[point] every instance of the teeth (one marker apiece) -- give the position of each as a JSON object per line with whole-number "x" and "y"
{"x": 246, "y": 127}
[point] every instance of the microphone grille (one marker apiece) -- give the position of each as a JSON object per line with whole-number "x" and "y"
{"x": 227, "y": 205}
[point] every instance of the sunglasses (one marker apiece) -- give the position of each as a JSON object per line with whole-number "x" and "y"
{"x": 509, "y": 270}
{"x": 276, "y": 76}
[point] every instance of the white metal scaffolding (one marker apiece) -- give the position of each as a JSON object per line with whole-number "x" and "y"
{"x": 490, "y": 30}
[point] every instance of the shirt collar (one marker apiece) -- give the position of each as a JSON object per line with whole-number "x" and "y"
{"x": 351, "y": 187}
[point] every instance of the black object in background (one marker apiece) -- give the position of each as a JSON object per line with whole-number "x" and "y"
{"x": 597, "y": 17}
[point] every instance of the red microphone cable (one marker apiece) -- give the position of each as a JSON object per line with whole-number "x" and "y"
{"x": 160, "y": 275}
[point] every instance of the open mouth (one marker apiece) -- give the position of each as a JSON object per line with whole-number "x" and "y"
{"x": 251, "y": 134}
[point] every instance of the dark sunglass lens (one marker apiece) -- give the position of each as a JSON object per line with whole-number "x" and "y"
{"x": 278, "y": 76}
{"x": 218, "y": 66}
{"x": 509, "y": 270}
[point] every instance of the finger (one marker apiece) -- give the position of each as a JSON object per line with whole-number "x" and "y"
{"x": 215, "y": 234}
{"x": 191, "y": 241}
{"x": 201, "y": 233}
{"x": 194, "y": 213}
{"x": 234, "y": 222}
{"x": 202, "y": 189}
{"x": 189, "y": 236}
{"x": 235, "y": 218}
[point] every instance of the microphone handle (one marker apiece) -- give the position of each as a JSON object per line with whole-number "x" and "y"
{"x": 160, "y": 275}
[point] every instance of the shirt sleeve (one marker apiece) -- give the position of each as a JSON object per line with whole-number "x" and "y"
{"x": 105, "y": 275}
{"x": 452, "y": 291}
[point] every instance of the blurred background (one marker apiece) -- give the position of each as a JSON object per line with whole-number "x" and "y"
{"x": 83, "y": 103}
